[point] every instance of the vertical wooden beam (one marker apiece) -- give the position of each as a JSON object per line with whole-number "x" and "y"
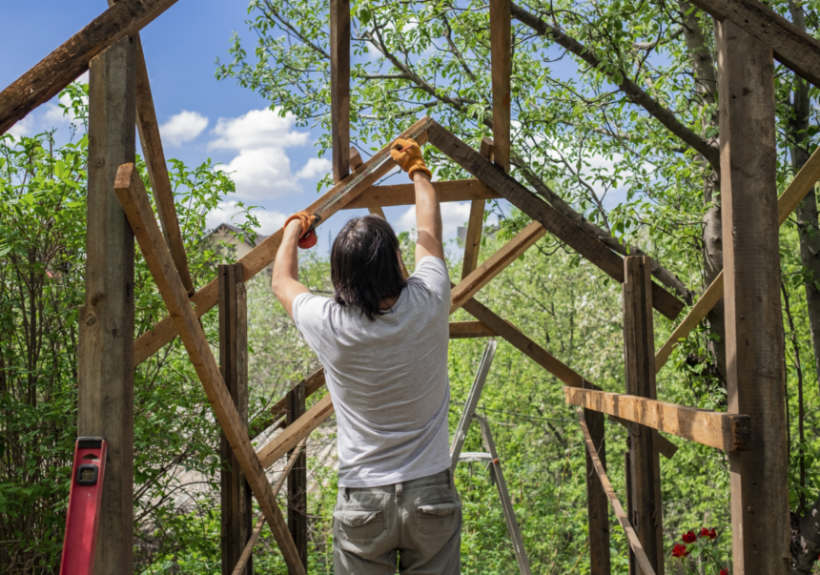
{"x": 754, "y": 324}
{"x": 233, "y": 363}
{"x": 501, "y": 56}
{"x": 297, "y": 479}
{"x": 106, "y": 332}
{"x": 340, "y": 86}
{"x": 475, "y": 224}
{"x": 597, "y": 508}
{"x": 639, "y": 356}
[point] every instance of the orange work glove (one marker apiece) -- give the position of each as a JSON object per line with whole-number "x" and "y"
{"x": 307, "y": 237}
{"x": 407, "y": 154}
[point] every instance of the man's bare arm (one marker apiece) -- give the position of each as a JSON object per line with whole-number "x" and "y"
{"x": 285, "y": 280}
{"x": 428, "y": 218}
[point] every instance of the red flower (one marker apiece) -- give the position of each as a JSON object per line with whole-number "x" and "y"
{"x": 703, "y": 532}
{"x": 679, "y": 550}
{"x": 724, "y": 571}
{"x": 712, "y": 533}
{"x": 689, "y": 537}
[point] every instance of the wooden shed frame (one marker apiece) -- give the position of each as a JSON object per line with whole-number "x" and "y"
{"x": 752, "y": 432}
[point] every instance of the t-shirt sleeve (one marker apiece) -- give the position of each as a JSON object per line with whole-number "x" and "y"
{"x": 432, "y": 272}
{"x": 309, "y": 315}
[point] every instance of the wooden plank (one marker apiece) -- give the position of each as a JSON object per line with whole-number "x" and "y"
{"x": 262, "y": 255}
{"x": 555, "y": 222}
{"x": 791, "y": 46}
{"x": 646, "y": 510}
{"x": 463, "y": 329}
{"x": 620, "y": 514}
{"x": 106, "y": 327}
{"x": 472, "y": 402}
{"x": 472, "y": 239}
{"x": 754, "y": 323}
{"x": 495, "y": 264}
{"x": 239, "y": 568}
{"x": 294, "y": 433}
{"x": 597, "y": 509}
{"x": 158, "y": 171}
{"x": 404, "y": 194}
{"x": 355, "y": 159}
{"x": 69, "y": 60}
{"x": 802, "y": 183}
{"x": 297, "y": 479}
{"x": 132, "y": 196}
{"x": 340, "y": 87}
{"x": 501, "y": 66}
{"x": 725, "y": 431}
{"x": 506, "y": 501}
{"x": 236, "y": 498}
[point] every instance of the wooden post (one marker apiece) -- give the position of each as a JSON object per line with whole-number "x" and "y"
{"x": 297, "y": 479}
{"x": 106, "y": 333}
{"x": 639, "y": 356}
{"x": 597, "y": 507}
{"x": 501, "y": 48}
{"x": 754, "y": 324}
{"x": 233, "y": 363}
{"x": 340, "y": 86}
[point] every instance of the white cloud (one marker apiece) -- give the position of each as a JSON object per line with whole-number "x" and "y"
{"x": 261, "y": 174}
{"x": 183, "y": 127}
{"x": 229, "y": 212}
{"x": 257, "y": 129}
{"x": 24, "y": 127}
{"x": 60, "y": 113}
{"x": 313, "y": 168}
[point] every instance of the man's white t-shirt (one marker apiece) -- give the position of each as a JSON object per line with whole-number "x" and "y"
{"x": 387, "y": 378}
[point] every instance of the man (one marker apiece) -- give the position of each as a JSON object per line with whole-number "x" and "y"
{"x": 383, "y": 343}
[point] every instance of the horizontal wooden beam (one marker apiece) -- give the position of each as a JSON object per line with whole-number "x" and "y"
{"x": 802, "y": 183}
{"x": 495, "y": 264}
{"x": 464, "y": 329}
{"x": 259, "y": 257}
{"x": 726, "y": 431}
{"x": 295, "y": 432}
{"x": 631, "y": 536}
{"x": 68, "y": 61}
{"x": 404, "y": 194}
{"x": 554, "y": 221}
{"x": 791, "y": 46}
{"x": 131, "y": 194}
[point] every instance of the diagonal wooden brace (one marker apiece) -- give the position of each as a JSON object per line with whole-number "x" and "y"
{"x": 131, "y": 193}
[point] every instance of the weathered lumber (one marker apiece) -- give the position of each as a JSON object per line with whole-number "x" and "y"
{"x": 297, "y": 479}
{"x": 472, "y": 239}
{"x": 463, "y": 329}
{"x": 340, "y": 87}
{"x": 260, "y": 256}
{"x": 158, "y": 171}
{"x": 67, "y": 62}
{"x": 495, "y": 264}
{"x": 501, "y": 69}
{"x": 617, "y": 508}
{"x": 404, "y": 194}
{"x": 235, "y": 497}
{"x": 132, "y": 196}
{"x": 754, "y": 321}
{"x": 295, "y": 432}
{"x": 239, "y": 568}
{"x": 555, "y": 222}
{"x": 472, "y": 402}
{"x": 791, "y": 46}
{"x": 106, "y": 326}
{"x": 644, "y": 503}
{"x": 725, "y": 431}
{"x": 597, "y": 506}
{"x": 802, "y": 183}
{"x": 312, "y": 382}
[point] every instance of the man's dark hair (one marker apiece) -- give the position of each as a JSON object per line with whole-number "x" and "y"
{"x": 364, "y": 264}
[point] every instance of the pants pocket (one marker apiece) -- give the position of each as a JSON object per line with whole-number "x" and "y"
{"x": 437, "y": 512}
{"x": 359, "y": 524}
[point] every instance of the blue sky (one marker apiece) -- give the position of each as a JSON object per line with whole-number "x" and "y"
{"x": 274, "y": 164}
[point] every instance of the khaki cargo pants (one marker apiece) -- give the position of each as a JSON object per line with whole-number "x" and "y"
{"x": 414, "y": 525}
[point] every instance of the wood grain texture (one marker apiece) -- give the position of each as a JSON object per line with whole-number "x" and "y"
{"x": 472, "y": 239}
{"x": 340, "y": 87}
{"x": 555, "y": 222}
{"x": 404, "y": 194}
{"x": 465, "y": 329}
{"x": 69, "y": 60}
{"x": 297, "y": 479}
{"x": 724, "y": 431}
{"x": 295, "y": 432}
{"x": 597, "y": 506}
{"x": 754, "y": 323}
{"x": 501, "y": 70}
{"x": 262, "y": 255}
{"x": 134, "y": 200}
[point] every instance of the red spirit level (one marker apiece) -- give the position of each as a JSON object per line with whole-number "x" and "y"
{"x": 84, "y": 503}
